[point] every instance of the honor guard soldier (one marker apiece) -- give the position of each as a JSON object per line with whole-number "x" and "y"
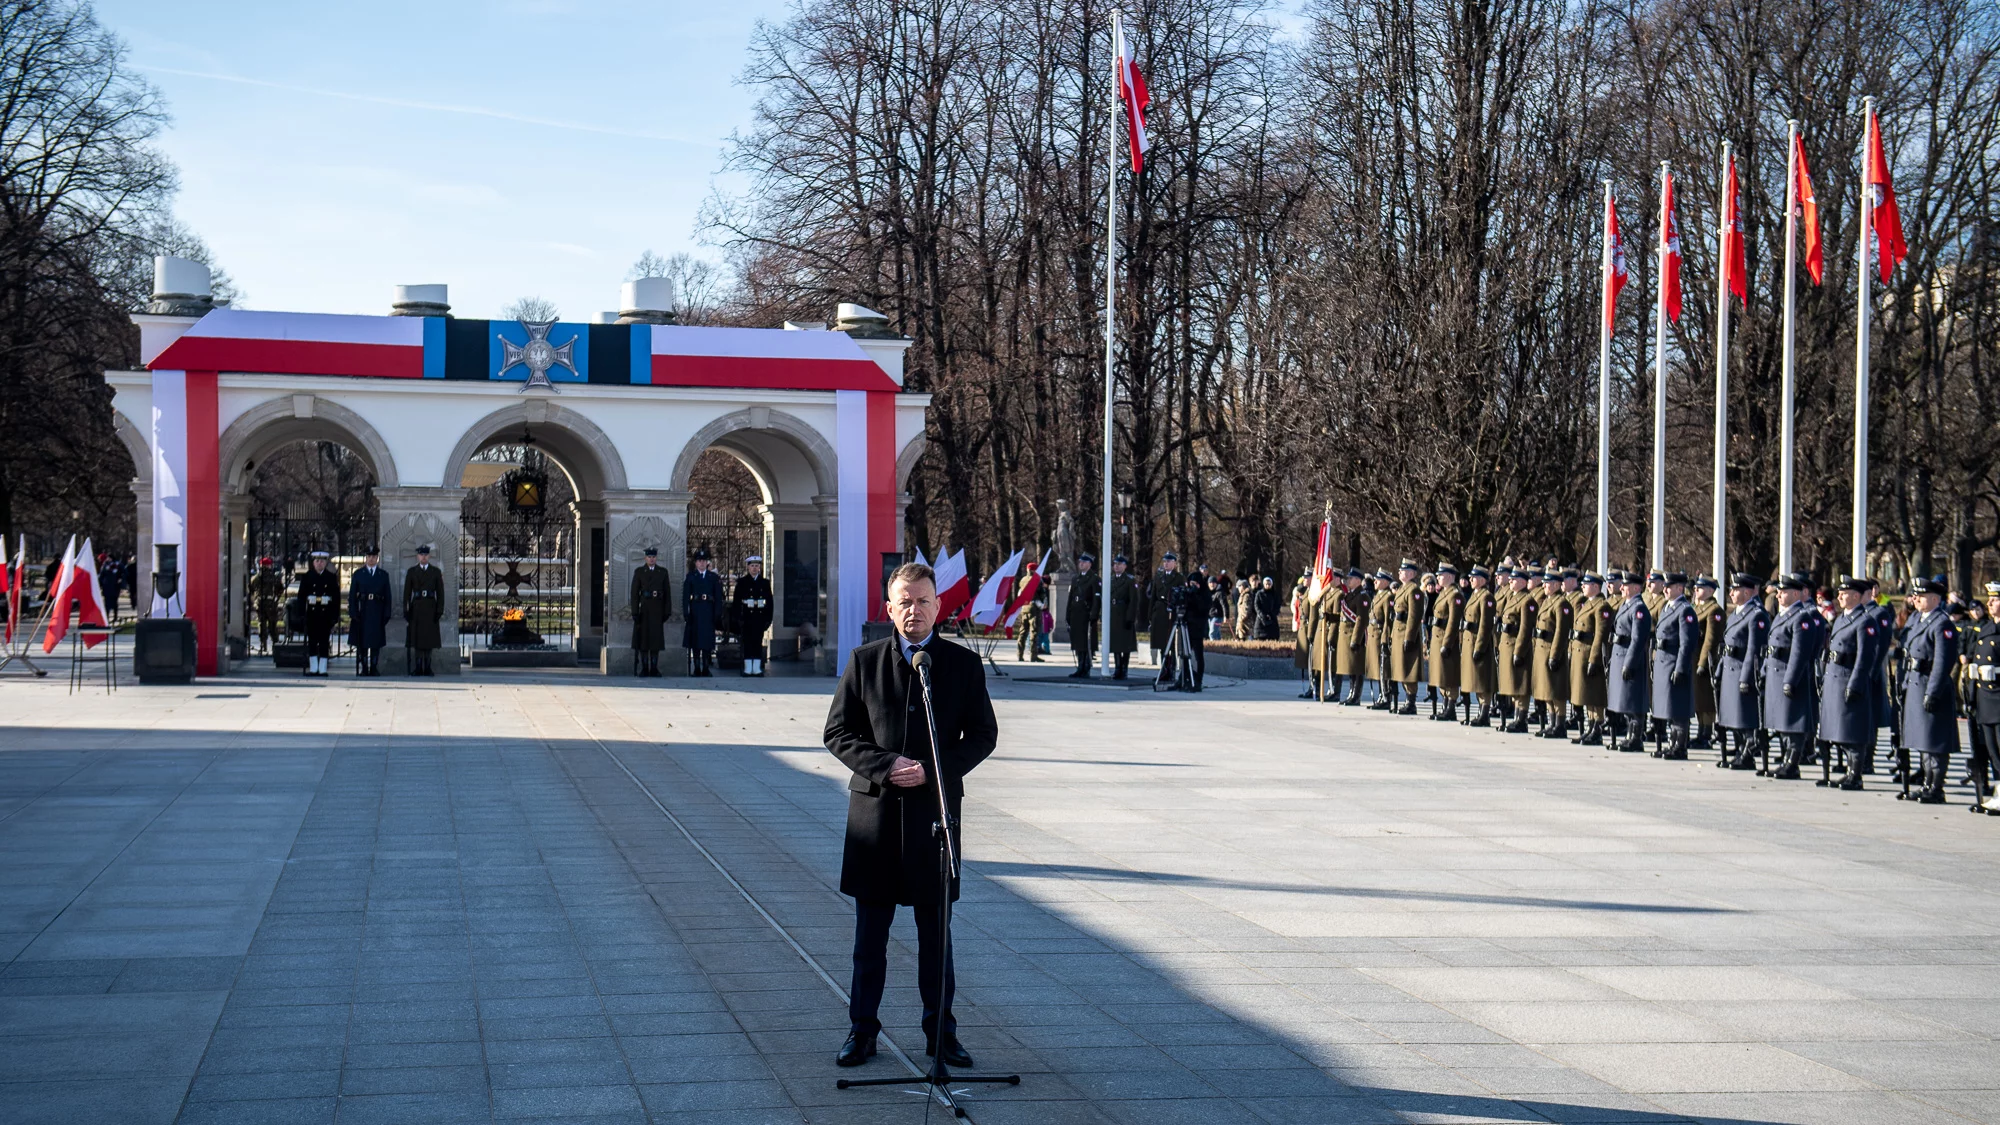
{"x": 750, "y": 608}
{"x": 1738, "y": 697}
{"x": 1083, "y": 612}
{"x": 701, "y": 600}
{"x": 1930, "y": 687}
{"x": 1381, "y": 615}
{"x": 1326, "y": 639}
{"x": 1981, "y": 644}
{"x": 652, "y": 602}
{"x": 267, "y": 590}
{"x": 1406, "y": 635}
{"x": 1676, "y": 651}
{"x": 368, "y": 614}
{"x": 1517, "y": 648}
{"x": 1707, "y": 663}
{"x": 1549, "y": 672}
{"x": 1447, "y": 633}
{"x": 1797, "y": 635}
{"x": 1350, "y": 662}
{"x": 1124, "y": 616}
{"x": 1160, "y": 595}
{"x": 1628, "y": 672}
{"x": 1885, "y": 642}
{"x": 423, "y": 610}
{"x": 1475, "y": 645}
{"x": 1847, "y": 682}
{"x": 1656, "y": 592}
{"x": 319, "y": 593}
{"x": 1590, "y": 627}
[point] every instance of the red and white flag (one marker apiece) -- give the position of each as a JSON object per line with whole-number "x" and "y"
{"x": 954, "y": 589}
{"x": 1735, "y": 270}
{"x": 1025, "y": 590}
{"x": 1808, "y": 211}
{"x": 10, "y": 588}
{"x": 986, "y": 605}
{"x": 1670, "y": 252}
{"x": 1132, "y": 91}
{"x": 1620, "y": 273}
{"x": 1881, "y": 196}
{"x": 76, "y": 586}
{"x": 1322, "y": 560}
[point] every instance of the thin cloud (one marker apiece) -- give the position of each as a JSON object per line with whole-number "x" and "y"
{"x": 435, "y": 107}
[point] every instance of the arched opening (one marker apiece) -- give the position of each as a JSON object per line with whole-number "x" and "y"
{"x": 520, "y": 525}
{"x": 294, "y": 496}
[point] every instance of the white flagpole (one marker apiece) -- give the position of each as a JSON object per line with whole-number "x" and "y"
{"x": 1110, "y": 336}
{"x": 1786, "y": 409}
{"x": 1722, "y": 373}
{"x": 1604, "y": 399}
{"x": 1860, "y": 561}
{"x": 1660, "y": 384}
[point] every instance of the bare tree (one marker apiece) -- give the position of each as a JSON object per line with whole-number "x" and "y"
{"x": 533, "y": 309}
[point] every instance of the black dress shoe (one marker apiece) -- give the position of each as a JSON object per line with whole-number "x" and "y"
{"x": 859, "y": 1048}
{"x": 952, "y": 1053}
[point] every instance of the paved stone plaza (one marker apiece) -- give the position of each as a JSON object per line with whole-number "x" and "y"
{"x": 268, "y": 900}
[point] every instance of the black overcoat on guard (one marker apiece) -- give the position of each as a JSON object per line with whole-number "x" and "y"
{"x": 1850, "y": 654}
{"x": 1738, "y": 705}
{"x": 368, "y": 608}
{"x": 877, "y": 715}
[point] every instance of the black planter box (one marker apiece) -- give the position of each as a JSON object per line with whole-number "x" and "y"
{"x": 163, "y": 650}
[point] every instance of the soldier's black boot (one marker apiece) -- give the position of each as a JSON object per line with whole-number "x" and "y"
{"x": 1593, "y": 733}
{"x": 1934, "y": 768}
{"x": 1676, "y": 749}
{"x": 1851, "y": 781}
{"x": 1484, "y": 718}
{"x": 1794, "y": 749}
{"x": 1519, "y": 725}
{"x": 1385, "y": 696}
{"x": 1123, "y": 660}
{"x": 1409, "y": 706}
{"x": 1353, "y": 693}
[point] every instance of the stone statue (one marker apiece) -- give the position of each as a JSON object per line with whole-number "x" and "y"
{"x": 1065, "y": 539}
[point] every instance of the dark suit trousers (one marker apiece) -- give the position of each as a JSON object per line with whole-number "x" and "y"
{"x": 871, "y": 966}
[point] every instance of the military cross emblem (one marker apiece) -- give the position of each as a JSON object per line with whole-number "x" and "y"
{"x": 538, "y": 356}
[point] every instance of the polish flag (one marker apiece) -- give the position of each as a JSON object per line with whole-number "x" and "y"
{"x": 1808, "y": 206}
{"x": 1132, "y": 91}
{"x": 986, "y": 605}
{"x": 1620, "y": 274}
{"x": 1881, "y": 196}
{"x": 76, "y": 585}
{"x": 18, "y": 589}
{"x": 954, "y": 590}
{"x": 1735, "y": 270}
{"x": 10, "y": 587}
{"x": 921, "y": 560}
{"x": 1024, "y": 593}
{"x": 1322, "y": 562}
{"x": 1670, "y": 253}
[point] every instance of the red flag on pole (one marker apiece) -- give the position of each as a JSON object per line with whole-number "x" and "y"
{"x": 1881, "y": 195}
{"x": 76, "y": 585}
{"x": 1735, "y": 271}
{"x": 1132, "y": 91}
{"x": 1670, "y": 255}
{"x": 1808, "y": 204}
{"x": 1620, "y": 274}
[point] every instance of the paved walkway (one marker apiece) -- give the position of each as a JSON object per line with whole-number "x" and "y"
{"x": 493, "y": 899}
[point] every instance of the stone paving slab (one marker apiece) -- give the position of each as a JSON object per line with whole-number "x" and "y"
{"x": 329, "y": 901}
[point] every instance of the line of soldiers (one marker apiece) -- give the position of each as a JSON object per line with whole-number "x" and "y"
{"x": 1172, "y": 598}
{"x": 1621, "y": 657}
{"x": 750, "y": 609}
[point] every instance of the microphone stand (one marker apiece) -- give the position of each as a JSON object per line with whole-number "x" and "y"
{"x": 938, "y": 1081}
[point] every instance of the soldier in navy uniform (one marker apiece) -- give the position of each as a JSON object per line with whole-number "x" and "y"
{"x": 1676, "y": 650}
{"x": 1847, "y": 683}
{"x": 701, "y": 600}
{"x": 1083, "y": 612}
{"x": 1981, "y": 645}
{"x": 368, "y": 613}
{"x": 750, "y": 602}
{"x": 1793, "y": 647}
{"x": 1628, "y": 687}
{"x": 319, "y": 594}
{"x": 1738, "y": 704}
{"x": 1930, "y": 687}
{"x": 1885, "y": 643}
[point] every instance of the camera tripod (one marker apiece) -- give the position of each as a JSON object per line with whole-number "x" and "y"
{"x": 1179, "y": 659}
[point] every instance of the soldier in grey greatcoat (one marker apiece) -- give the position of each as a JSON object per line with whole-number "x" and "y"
{"x": 1628, "y": 687}
{"x": 1930, "y": 687}
{"x": 651, "y": 601}
{"x": 423, "y": 612}
{"x": 1738, "y": 705}
{"x": 1793, "y": 647}
{"x": 1847, "y": 682}
{"x": 1676, "y": 648}
{"x": 1885, "y": 644}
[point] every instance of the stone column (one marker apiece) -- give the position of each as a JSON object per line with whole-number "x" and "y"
{"x": 410, "y": 518}
{"x": 142, "y": 526}
{"x": 236, "y": 524}
{"x": 635, "y": 519}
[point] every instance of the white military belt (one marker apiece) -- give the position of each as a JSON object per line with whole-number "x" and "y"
{"x": 1986, "y": 673}
{"x": 754, "y": 603}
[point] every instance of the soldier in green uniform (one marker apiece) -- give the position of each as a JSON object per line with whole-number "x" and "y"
{"x": 1476, "y": 645}
{"x": 1406, "y": 635}
{"x": 1028, "y": 630}
{"x": 1549, "y": 678}
{"x": 1590, "y": 626}
{"x": 1381, "y": 615}
{"x": 423, "y": 610}
{"x": 1326, "y": 637}
{"x": 1081, "y": 612}
{"x": 1447, "y": 615}
{"x": 1350, "y": 663}
{"x": 1125, "y": 603}
{"x": 1160, "y": 597}
{"x": 651, "y": 599}
{"x": 267, "y": 589}
{"x": 1656, "y": 592}
{"x": 1517, "y": 648}
{"x": 1708, "y": 664}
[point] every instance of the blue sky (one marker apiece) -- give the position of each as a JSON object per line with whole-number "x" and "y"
{"x": 331, "y": 151}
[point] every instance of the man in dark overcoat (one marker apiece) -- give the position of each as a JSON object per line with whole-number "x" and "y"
{"x": 1124, "y": 617}
{"x": 423, "y": 611}
{"x": 877, "y": 728}
{"x": 1160, "y": 597}
{"x": 1790, "y": 653}
{"x": 1847, "y": 681}
{"x": 1676, "y": 651}
{"x": 701, "y": 600}
{"x": 1981, "y": 646}
{"x": 1628, "y": 680}
{"x": 651, "y": 600}
{"x": 1082, "y": 611}
{"x": 368, "y": 613}
{"x": 1738, "y": 704}
{"x": 750, "y": 603}
{"x": 1930, "y": 687}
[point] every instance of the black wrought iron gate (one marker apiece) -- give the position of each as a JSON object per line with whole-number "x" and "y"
{"x": 517, "y": 584}
{"x": 289, "y": 543}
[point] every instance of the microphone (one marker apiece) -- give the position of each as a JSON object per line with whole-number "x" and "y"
{"x": 921, "y": 661}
